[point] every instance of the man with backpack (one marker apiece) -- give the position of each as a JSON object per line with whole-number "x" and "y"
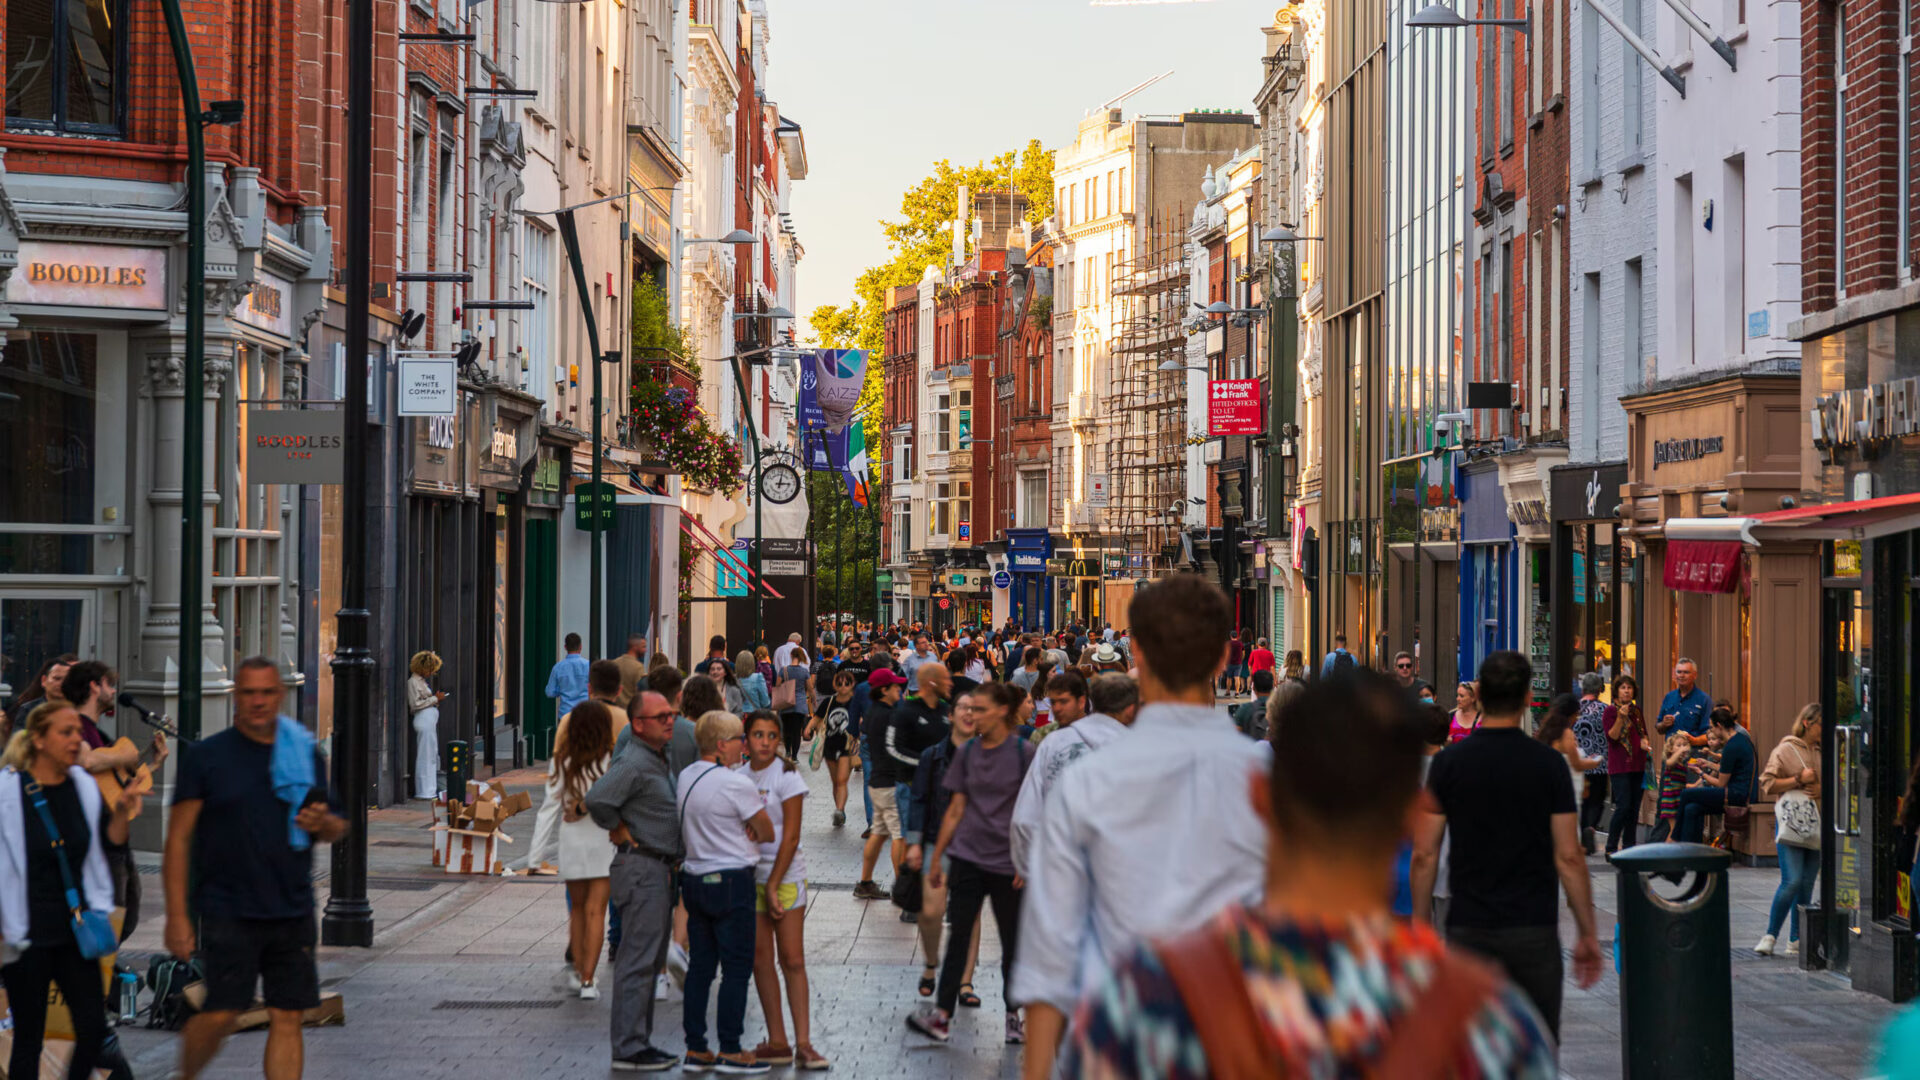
{"x": 1339, "y": 661}
{"x": 1334, "y": 805}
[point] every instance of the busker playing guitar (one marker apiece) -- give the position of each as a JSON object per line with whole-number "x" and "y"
{"x": 92, "y": 686}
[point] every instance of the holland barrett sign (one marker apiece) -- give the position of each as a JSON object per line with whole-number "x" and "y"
{"x": 295, "y": 446}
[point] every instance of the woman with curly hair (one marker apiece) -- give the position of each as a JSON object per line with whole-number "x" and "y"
{"x": 423, "y": 702}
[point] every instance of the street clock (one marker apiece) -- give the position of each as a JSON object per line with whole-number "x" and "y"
{"x": 779, "y": 483}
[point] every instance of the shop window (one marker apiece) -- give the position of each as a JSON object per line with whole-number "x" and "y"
{"x": 66, "y": 65}
{"x": 49, "y": 391}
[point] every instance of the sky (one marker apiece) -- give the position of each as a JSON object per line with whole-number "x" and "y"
{"x": 885, "y": 88}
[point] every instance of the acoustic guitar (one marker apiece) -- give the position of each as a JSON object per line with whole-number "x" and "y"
{"x": 115, "y": 782}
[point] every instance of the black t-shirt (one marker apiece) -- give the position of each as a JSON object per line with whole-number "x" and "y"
{"x": 244, "y": 866}
{"x": 1499, "y": 788}
{"x": 885, "y": 771}
{"x": 49, "y": 922}
{"x": 839, "y": 717}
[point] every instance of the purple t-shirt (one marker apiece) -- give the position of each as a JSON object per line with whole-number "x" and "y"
{"x": 990, "y": 779}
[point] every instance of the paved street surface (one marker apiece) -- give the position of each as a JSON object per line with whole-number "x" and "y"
{"x": 464, "y": 981}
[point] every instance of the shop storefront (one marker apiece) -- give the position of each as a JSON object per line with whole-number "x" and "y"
{"x": 1489, "y": 578}
{"x": 1523, "y": 479}
{"x": 972, "y": 604}
{"x": 1027, "y": 553}
{"x": 1076, "y": 573}
{"x": 511, "y": 453}
{"x": 1423, "y": 560}
{"x": 539, "y": 569}
{"x": 92, "y": 413}
{"x": 1593, "y": 575}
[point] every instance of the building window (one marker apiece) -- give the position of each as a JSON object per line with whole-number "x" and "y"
{"x": 1634, "y": 361}
{"x": 1506, "y": 94}
{"x": 1839, "y": 156}
{"x": 67, "y": 65}
{"x": 1732, "y": 228}
{"x": 536, "y": 269}
{"x": 1630, "y": 79}
{"x": 1033, "y": 500}
{"x": 938, "y": 508}
{"x": 1124, "y": 205}
{"x": 963, "y": 508}
{"x": 1589, "y": 93}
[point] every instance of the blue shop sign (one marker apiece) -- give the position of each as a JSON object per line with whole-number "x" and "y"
{"x": 1027, "y": 564}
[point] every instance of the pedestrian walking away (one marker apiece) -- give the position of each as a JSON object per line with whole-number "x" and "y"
{"x": 261, "y": 787}
{"x": 1590, "y": 730}
{"x": 780, "y": 900}
{"x": 633, "y": 670}
{"x": 1792, "y": 780}
{"x": 983, "y": 783}
{"x": 793, "y": 703}
{"x": 722, "y": 823}
{"x": 55, "y": 826}
{"x": 1282, "y": 974}
{"x": 580, "y": 758}
{"x": 1112, "y": 697}
{"x": 1152, "y": 834}
{"x": 567, "y": 682}
{"x": 423, "y": 702}
{"x": 1505, "y": 802}
{"x": 634, "y": 801}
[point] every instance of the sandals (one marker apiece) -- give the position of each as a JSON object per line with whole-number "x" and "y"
{"x": 967, "y": 997}
{"x": 926, "y": 985}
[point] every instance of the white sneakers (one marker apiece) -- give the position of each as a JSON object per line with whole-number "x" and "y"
{"x": 573, "y": 978}
{"x": 677, "y": 963}
{"x": 589, "y": 992}
{"x": 1791, "y": 948}
{"x": 1765, "y": 945}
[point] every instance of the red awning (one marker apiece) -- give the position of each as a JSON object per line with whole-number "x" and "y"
{"x": 1862, "y": 519}
{"x": 1704, "y": 566}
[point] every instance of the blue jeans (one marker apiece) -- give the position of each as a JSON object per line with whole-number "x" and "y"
{"x": 1798, "y": 869}
{"x": 866, "y": 770}
{"x": 720, "y": 928}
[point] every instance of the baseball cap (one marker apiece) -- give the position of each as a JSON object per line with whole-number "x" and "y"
{"x": 884, "y": 678}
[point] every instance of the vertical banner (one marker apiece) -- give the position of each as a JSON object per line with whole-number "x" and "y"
{"x": 830, "y": 385}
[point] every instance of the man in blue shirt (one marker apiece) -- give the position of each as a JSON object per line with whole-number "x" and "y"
{"x": 567, "y": 683}
{"x": 1686, "y": 706}
{"x": 1734, "y": 786}
{"x": 1337, "y": 659}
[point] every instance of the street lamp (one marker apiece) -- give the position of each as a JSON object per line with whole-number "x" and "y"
{"x": 1442, "y": 17}
{"x": 737, "y": 236}
{"x": 1175, "y": 365}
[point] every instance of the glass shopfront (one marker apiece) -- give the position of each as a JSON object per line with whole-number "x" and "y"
{"x": 64, "y": 514}
{"x": 1595, "y": 569}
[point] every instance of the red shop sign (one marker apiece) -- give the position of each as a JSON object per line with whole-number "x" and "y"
{"x": 1233, "y": 407}
{"x": 1704, "y": 566}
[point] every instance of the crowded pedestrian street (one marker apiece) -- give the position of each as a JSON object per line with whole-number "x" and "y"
{"x": 465, "y": 980}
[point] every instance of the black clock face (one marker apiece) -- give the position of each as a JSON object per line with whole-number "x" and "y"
{"x": 779, "y": 483}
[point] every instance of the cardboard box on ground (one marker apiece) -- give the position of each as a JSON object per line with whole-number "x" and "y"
{"x": 466, "y": 831}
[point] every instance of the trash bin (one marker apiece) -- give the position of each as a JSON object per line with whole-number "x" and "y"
{"x": 459, "y": 768}
{"x": 1676, "y": 975}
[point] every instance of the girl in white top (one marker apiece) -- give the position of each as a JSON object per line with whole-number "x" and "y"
{"x": 780, "y": 897}
{"x": 586, "y": 849}
{"x": 423, "y": 701}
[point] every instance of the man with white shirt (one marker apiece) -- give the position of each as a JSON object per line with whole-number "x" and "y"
{"x": 1156, "y": 837}
{"x": 1113, "y": 696}
{"x": 783, "y": 654}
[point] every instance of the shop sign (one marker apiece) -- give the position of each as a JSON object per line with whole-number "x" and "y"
{"x": 89, "y": 275}
{"x": 1298, "y": 540}
{"x": 1587, "y": 493}
{"x": 296, "y": 446}
{"x": 268, "y": 306}
{"x": 1531, "y": 512}
{"x": 957, "y": 579}
{"x": 945, "y": 603}
{"x": 1233, "y": 407}
{"x": 1097, "y": 489}
{"x": 1705, "y": 566}
{"x": 784, "y": 568}
{"x": 1115, "y": 560}
{"x": 966, "y": 529}
{"x": 589, "y": 497}
{"x": 903, "y": 590}
{"x": 546, "y": 478}
{"x": 429, "y": 386}
{"x": 1675, "y": 451}
{"x": 1002, "y": 579}
{"x": 1866, "y": 417}
{"x": 1027, "y": 564}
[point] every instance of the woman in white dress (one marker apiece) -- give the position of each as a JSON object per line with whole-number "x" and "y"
{"x": 423, "y": 701}
{"x": 586, "y": 851}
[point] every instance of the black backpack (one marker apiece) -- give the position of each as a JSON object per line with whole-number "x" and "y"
{"x": 1343, "y": 661}
{"x": 168, "y": 979}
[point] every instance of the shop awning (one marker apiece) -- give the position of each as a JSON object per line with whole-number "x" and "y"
{"x": 1704, "y": 566}
{"x": 1861, "y": 519}
{"x": 724, "y": 554}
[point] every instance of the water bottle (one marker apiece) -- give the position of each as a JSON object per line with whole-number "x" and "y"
{"x": 129, "y": 986}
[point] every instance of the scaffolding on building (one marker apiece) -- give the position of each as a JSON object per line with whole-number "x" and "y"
{"x": 1147, "y": 455}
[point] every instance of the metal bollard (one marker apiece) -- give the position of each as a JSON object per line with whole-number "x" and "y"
{"x": 1676, "y": 974}
{"x": 459, "y": 768}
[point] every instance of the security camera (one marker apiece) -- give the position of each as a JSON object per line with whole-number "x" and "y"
{"x": 1444, "y": 424}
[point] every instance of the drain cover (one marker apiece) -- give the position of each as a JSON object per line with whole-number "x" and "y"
{"x": 494, "y": 1006}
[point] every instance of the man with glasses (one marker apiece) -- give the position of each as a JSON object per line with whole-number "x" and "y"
{"x": 634, "y": 801}
{"x": 1686, "y": 707}
{"x": 1403, "y": 671}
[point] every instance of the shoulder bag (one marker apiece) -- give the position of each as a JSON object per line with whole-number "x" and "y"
{"x": 783, "y": 696}
{"x": 92, "y": 931}
{"x": 1796, "y": 816}
{"x": 1424, "y": 1044}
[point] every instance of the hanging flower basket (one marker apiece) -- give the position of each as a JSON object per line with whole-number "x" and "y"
{"x": 675, "y": 437}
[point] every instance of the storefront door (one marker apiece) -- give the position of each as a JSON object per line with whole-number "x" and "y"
{"x": 1844, "y": 694}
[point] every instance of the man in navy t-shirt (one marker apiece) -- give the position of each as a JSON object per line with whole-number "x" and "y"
{"x": 1732, "y": 786}
{"x": 252, "y": 889}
